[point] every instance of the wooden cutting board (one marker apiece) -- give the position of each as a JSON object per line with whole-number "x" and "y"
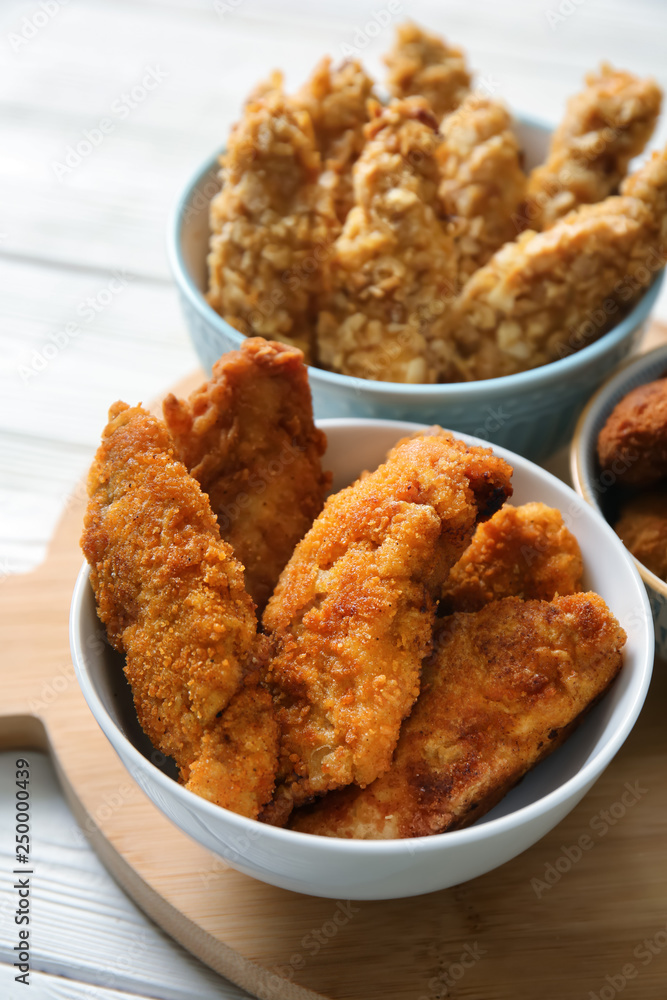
{"x": 582, "y": 913}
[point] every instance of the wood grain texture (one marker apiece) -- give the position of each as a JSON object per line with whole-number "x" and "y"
{"x": 84, "y": 927}
{"x": 536, "y": 926}
{"x": 60, "y": 241}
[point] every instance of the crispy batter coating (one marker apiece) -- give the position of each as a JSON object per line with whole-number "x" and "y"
{"x": 649, "y": 184}
{"x": 642, "y": 527}
{"x": 549, "y": 294}
{"x": 393, "y": 267}
{"x": 336, "y": 100}
{"x": 248, "y": 437}
{"x": 171, "y": 595}
{"x": 524, "y": 552}
{"x": 272, "y": 224}
{"x": 424, "y": 64}
{"x": 604, "y": 127}
{"x": 274, "y": 83}
{"x": 482, "y": 184}
{"x": 505, "y": 686}
{"x": 352, "y": 615}
{"x": 632, "y": 445}
{"x": 236, "y": 765}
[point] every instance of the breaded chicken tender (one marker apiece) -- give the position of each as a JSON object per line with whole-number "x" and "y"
{"x": 524, "y": 552}
{"x": 642, "y": 527}
{"x": 632, "y": 445}
{"x": 336, "y": 101}
{"x": 273, "y": 84}
{"x": 272, "y": 224}
{"x": 604, "y": 127}
{"x": 236, "y": 764}
{"x": 549, "y": 294}
{"x": 249, "y": 439}
{"x": 424, "y": 64}
{"x": 393, "y": 267}
{"x": 649, "y": 184}
{"x": 482, "y": 184}
{"x": 171, "y": 595}
{"x": 351, "y": 618}
{"x": 504, "y": 687}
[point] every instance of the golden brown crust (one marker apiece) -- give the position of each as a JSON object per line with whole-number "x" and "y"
{"x": 604, "y": 127}
{"x": 248, "y": 437}
{"x": 524, "y": 552}
{"x": 393, "y": 268}
{"x": 649, "y": 184}
{"x": 336, "y": 101}
{"x": 424, "y": 64}
{"x": 642, "y": 527}
{"x": 351, "y": 617}
{"x": 482, "y": 184}
{"x": 549, "y": 294}
{"x": 632, "y": 445}
{"x": 503, "y": 688}
{"x": 169, "y": 591}
{"x": 272, "y": 225}
{"x": 236, "y": 765}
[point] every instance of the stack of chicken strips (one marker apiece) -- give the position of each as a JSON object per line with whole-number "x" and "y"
{"x": 406, "y": 243}
{"x": 384, "y": 663}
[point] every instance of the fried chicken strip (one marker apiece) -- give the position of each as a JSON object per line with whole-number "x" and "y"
{"x": 393, "y": 268}
{"x": 549, "y": 294}
{"x": 351, "y": 618}
{"x": 248, "y": 437}
{"x": 604, "y": 127}
{"x": 336, "y": 101}
{"x": 171, "y": 595}
{"x": 524, "y": 552}
{"x": 482, "y": 184}
{"x": 649, "y": 185}
{"x": 424, "y": 64}
{"x": 504, "y": 687}
{"x": 272, "y": 224}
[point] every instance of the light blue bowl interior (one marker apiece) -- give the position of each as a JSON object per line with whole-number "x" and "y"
{"x": 533, "y": 413}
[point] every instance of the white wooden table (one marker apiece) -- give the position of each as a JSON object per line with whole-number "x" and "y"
{"x": 89, "y": 314}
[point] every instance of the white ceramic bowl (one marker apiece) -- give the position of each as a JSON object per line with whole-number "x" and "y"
{"x": 595, "y": 486}
{"x": 357, "y": 869}
{"x": 533, "y": 412}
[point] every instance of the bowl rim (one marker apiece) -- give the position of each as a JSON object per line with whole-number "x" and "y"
{"x": 504, "y": 384}
{"x": 524, "y": 815}
{"x": 580, "y": 438}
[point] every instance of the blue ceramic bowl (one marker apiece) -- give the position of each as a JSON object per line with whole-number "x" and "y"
{"x": 596, "y": 486}
{"x": 533, "y": 413}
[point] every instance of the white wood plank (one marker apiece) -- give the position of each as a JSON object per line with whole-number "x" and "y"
{"x": 46, "y": 987}
{"x": 83, "y": 926}
{"x": 61, "y": 240}
{"x": 115, "y": 202}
